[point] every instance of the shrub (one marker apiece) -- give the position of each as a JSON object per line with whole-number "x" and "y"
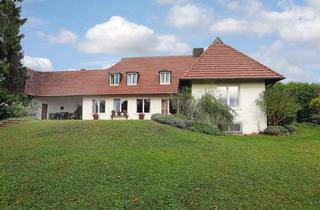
{"x": 278, "y": 105}
{"x": 315, "y": 103}
{"x": 172, "y": 120}
{"x": 204, "y": 128}
{"x": 302, "y": 93}
{"x": 183, "y": 103}
{"x": 212, "y": 111}
{"x": 290, "y": 128}
{"x": 315, "y": 119}
{"x": 276, "y": 130}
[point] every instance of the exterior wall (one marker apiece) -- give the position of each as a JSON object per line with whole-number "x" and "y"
{"x": 252, "y": 119}
{"x": 69, "y": 103}
{"x": 155, "y": 106}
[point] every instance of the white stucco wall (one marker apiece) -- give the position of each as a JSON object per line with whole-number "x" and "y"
{"x": 69, "y": 103}
{"x": 251, "y": 117}
{"x": 155, "y": 106}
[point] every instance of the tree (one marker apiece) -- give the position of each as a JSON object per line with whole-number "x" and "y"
{"x": 183, "y": 102}
{"x": 12, "y": 72}
{"x": 315, "y": 103}
{"x": 278, "y": 105}
{"x": 211, "y": 110}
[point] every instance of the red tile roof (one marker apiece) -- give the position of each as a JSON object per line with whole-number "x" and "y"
{"x": 95, "y": 82}
{"x": 220, "y": 61}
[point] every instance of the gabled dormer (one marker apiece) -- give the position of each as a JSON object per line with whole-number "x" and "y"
{"x": 165, "y": 77}
{"x": 132, "y": 78}
{"x": 115, "y": 79}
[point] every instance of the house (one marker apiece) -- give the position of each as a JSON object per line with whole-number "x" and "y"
{"x": 144, "y": 85}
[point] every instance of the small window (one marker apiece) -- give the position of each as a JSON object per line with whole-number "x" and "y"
{"x": 114, "y": 79}
{"x": 146, "y": 105}
{"x": 124, "y": 106}
{"x": 102, "y": 106}
{"x": 116, "y": 105}
{"x": 132, "y": 78}
{"x": 139, "y": 105}
{"x": 234, "y": 128}
{"x": 165, "y": 78}
{"x": 95, "y": 106}
{"x": 61, "y": 107}
{"x": 98, "y": 106}
{"x": 143, "y": 105}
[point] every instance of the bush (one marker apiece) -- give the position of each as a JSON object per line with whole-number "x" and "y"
{"x": 180, "y": 121}
{"x": 278, "y": 105}
{"x": 290, "y": 128}
{"x": 276, "y": 130}
{"x": 315, "y": 119}
{"x": 204, "y": 128}
{"x": 315, "y": 103}
{"x": 213, "y": 111}
{"x": 172, "y": 120}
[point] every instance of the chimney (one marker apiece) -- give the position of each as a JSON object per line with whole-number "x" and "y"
{"x": 197, "y": 52}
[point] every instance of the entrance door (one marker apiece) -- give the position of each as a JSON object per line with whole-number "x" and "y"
{"x": 44, "y": 112}
{"x": 164, "y": 106}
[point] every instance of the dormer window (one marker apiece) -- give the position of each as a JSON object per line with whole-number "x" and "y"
{"x": 114, "y": 79}
{"x": 132, "y": 78}
{"x": 165, "y": 77}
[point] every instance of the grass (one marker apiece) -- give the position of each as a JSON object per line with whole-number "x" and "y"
{"x": 146, "y": 165}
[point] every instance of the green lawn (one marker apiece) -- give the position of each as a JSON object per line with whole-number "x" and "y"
{"x": 145, "y": 165}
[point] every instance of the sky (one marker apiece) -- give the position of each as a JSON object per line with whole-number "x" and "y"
{"x": 95, "y": 34}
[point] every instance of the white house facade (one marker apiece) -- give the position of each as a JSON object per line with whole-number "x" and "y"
{"x": 143, "y": 86}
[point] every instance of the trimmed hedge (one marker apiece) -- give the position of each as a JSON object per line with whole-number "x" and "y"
{"x": 185, "y": 123}
{"x": 276, "y": 131}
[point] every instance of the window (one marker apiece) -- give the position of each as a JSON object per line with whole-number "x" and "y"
{"x": 95, "y": 106}
{"x": 132, "y": 78}
{"x": 120, "y": 106}
{"x": 229, "y": 95}
{"x": 124, "y": 106}
{"x": 143, "y": 105}
{"x": 102, "y": 106}
{"x": 114, "y": 79}
{"x": 61, "y": 107}
{"x": 165, "y": 78}
{"x": 116, "y": 105}
{"x": 98, "y": 106}
{"x": 234, "y": 128}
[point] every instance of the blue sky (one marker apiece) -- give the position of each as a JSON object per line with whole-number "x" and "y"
{"x": 70, "y": 34}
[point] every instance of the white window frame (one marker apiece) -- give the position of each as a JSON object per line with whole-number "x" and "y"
{"x": 228, "y": 95}
{"x": 112, "y": 81}
{"x": 98, "y": 107}
{"x": 121, "y": 101}
{"x": 166, "y": 79}
{"x": 133, "y": 79}
{"x": 143, "y": 100}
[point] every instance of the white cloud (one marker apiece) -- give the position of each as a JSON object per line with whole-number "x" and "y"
{"x": 292, "y": 23}
{"x": 277, "y": 57}
{"x": 36, "y": 63}
{"x": 35, "y": 22}
{"x": 119, "y": 35}
{"x": 189, "y": 16}
{"x": 172, "y": 1}
{"x": 63, "y": 36}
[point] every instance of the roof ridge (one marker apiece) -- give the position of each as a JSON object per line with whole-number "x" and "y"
{"x": 157, "y": 56}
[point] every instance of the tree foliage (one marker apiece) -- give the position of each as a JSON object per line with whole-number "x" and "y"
{"x": 213, "y": 111}
{"x": 278, "y": 105}
{"x": 12, "y": 72}
{"x": 315, "y": 103}
{"x": 183, "y": 102}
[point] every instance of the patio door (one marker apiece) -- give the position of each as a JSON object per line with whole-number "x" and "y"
{"x": 44, "y": 111}
{"x": 164, "y": 106}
